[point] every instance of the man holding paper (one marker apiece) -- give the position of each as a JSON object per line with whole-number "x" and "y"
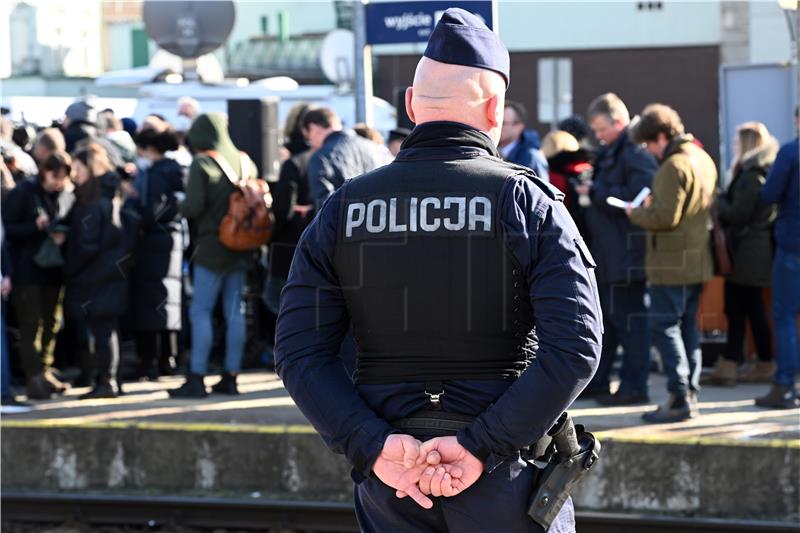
{"x": 678, "y": 256}
{"x": 622, "y": 172}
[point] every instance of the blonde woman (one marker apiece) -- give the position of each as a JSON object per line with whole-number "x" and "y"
{"x": 748, "y": 224}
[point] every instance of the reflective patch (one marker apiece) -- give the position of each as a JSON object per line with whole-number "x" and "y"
{"x": 419, "y": 214}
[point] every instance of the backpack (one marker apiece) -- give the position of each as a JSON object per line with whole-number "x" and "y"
{"x": 248, "y": 224}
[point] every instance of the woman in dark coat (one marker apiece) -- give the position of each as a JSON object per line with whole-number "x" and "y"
{"x": 156, "y": 280}
{"x": 748, "y": 226}
{"x": 97, "y": 263}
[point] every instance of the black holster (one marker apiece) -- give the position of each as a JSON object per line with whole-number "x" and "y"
{"x": 568, "y": 458}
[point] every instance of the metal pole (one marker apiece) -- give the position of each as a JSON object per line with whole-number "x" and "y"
{"x": 363, "y": 63}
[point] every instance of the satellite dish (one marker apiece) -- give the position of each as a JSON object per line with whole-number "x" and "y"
{"x": 189, "y": 29}
{"x": 337, "y": 56}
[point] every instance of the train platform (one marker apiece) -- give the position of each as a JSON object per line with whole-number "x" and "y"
{"x": 735, "y": 461}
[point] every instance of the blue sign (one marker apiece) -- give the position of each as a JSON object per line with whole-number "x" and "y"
{"x": 413, "y": 22}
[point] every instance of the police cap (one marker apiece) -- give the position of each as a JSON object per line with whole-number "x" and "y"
{"x": 461, "y": 38}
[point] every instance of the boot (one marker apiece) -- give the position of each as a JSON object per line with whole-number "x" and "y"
{"x": 779, "y": 397}
{"x": 104, "y": 388}
{"x": 194, "y": 387}
{"x": 761, "y": 372}
{"x": 37, "y": 388}
{"x": 57, "y": 386}
{"x": 676, "y": 409}
{"x": 226, "y": 385}
{"x": 723, "y": 374}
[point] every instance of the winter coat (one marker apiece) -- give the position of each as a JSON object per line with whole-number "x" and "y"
{"x": 96, "y": 288}
{"x": 526, "y": 153}
{"x": 290, "y": 190}
{"x": 208, "y": 191}
{"x": 156, "y": 280}
{"x": 748, "y": 220}
{"x": 20, "y": 211}
{"x": 97, "y": 260}
{"x": 783, "y": 188}
{"x": 678, "y": 248}
{"x": 343, "y": 155}
{"x": 566, "y": 169}
{"x": 622, "y": 170}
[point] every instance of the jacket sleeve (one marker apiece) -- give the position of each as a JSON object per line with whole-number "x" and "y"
{"x": 745, "y": 200}
{"x": 311, "y": 325}
{"x": 639, "y": 167}
{"x": 85, "y": 239}
{"x": 563, "y": 293}
{"x": 320, "y": 180}
{"x": 778, "y": 178}
{"x": 284, "y": 192}
{"x": 16, "y": 216}
{"x": 669, "y": 196}
{"x": 195, "y": 202}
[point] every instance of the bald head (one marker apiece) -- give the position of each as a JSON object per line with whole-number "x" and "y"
{"x": 469, "y": 95}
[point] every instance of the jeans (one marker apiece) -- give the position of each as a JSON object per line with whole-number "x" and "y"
{"x": 5, "y": 369}
{"x": 673, "y": 310}
{"x": 743, "y": 303}
{"x": 785, "y": 307}
{"x": 625, "y": 322}
{"x": 207, "y": 286}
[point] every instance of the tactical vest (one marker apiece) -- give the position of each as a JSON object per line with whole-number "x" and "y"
{"x": 432, "y": 290}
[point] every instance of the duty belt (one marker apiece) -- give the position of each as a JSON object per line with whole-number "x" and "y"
{"x": 562, "y": 457}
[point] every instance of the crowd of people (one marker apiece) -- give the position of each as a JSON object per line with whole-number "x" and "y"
{"x": 111, "y": 228}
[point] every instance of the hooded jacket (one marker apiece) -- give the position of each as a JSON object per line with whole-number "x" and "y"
{"x": 748, "y": 220}
{"x": 678, "y": 250}
{"x": 208, "y": 190}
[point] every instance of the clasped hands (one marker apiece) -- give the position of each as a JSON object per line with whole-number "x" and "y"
{"x": 438, "y": 467}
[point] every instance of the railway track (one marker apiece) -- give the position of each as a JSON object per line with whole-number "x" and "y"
{"x": 214, "y": 513}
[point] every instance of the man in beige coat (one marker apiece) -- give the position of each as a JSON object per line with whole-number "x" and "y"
{"x": 678, "y": 254}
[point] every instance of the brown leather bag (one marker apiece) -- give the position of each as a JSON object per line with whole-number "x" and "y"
{"x": 248, "y": 223}
{"x": 723, "y": 263}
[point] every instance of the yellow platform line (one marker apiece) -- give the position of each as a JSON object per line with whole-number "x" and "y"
{"x": 306, "y": 429}
{"x": 55, "y": 423}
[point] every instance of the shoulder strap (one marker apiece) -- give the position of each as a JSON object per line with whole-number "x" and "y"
{"x": 226, "y": 167}
{"x": 244, "y": 163}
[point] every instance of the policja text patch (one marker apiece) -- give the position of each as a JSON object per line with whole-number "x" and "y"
{"x": 419, "y": 214}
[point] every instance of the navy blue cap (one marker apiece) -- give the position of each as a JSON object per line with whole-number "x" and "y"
{"x": 461, "y": 38}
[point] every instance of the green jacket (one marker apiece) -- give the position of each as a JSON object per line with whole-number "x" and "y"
{"x": 207, "y": 194}
{"x": 748, "y": 220}
{"x": 678, "y": 250}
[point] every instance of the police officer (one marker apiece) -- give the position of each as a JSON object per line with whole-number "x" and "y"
{"x": 473, "y": 303}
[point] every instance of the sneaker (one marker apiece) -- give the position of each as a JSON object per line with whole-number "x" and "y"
{"x": 622, "y": 399}
{"x": 676, "y": 409}
{"x": 779, "y": 397}
{"x": 10, "y": 405}
{"x": 226, "y": 385}
{"x": 11, "y": 401}
{"x": 194, "y": 387}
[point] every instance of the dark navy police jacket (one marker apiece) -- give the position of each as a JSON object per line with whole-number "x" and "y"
{"x": 555, "y": 273}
